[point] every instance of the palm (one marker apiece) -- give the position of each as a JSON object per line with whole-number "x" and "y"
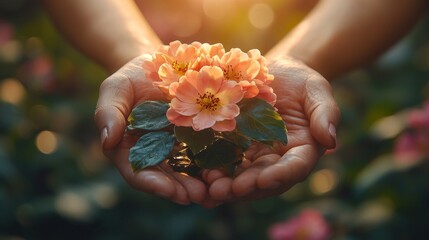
{"x": 270, "y": 171}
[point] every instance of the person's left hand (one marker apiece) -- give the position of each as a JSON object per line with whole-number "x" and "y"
{"x": 306, "y": 104}
{"x": 119, "y": 93}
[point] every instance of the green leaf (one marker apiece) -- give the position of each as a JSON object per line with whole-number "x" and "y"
{"x": 260, "y": 121}
{"x": 151, "y": 149}
{"x": 195, "y": 140}
{"x": 150, "y": 115}
{"x": 237, "y": 138}
{"x": 220, "y": 154}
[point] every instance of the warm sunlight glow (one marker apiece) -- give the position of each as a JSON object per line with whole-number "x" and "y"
{"x": 218, "y": 9}
{"x": 47, "y": 142}
{"x": 261, "y": 16}
{"x": 188, "y": 26}
{"x": 323, "y": 181}
{"x": 12, "y": 91}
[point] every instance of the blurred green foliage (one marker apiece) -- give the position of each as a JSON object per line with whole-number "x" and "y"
{"x": 56, "y": 183}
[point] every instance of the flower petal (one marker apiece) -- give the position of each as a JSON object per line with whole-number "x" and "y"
{"x": 177, "y": 119}
{"x": 185, "y": 91}
{"x": 249, "y": 88}
{"x": 184, "y": 108}
{"x": 225, "y": 126}
{"x": 203, "y": 120}
{"x": 209, "y": 79}
{"x": 230, "y": 92}
{"x": 228, "y": 111}
{"x": 249, "y": 69}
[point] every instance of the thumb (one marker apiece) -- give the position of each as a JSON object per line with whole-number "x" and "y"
{"x": 322, "y": 111}
{"x": 113, "y": 107}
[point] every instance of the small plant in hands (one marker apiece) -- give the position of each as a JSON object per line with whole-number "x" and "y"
{"x": 217, "y": 104}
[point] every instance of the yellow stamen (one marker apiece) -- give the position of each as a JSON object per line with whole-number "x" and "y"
{"x": 180, "y": 68}
{"x": 208, "y": 101}
{"x": 230, "y": 74}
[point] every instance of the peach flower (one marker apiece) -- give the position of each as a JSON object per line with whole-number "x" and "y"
{"x": 205, "y": 99}
{"x": 263, "y": 79}
{"x": 170, "y": 63}
{"x": 249, "y": 70}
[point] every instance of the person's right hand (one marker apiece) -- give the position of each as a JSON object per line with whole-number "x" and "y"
{"x": 119, "y": 93}
{"x": 307, "y": 106}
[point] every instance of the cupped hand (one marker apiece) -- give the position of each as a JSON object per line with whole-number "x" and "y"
{"x": 306, "y": 104}
{"x": 119, "y": 93}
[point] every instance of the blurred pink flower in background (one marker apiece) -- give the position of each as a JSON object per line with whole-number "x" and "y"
{"x": 6, "y": 32}
{"x": 38, "y": 73}
{"x": 308, "y": 225}
{"x": 413, "y": 145}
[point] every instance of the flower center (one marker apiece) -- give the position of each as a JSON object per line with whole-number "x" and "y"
{"x": 230, "y": 74}
{"x": 180, "y": 68}
{"x": 208, "y": 101}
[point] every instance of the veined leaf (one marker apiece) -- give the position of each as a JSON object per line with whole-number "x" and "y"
{"x": 220, "y": 154}
{"x": 237, "y": 138}
{"x": 195, "y": 140}
{"x": 260, "y": 121}
{"x": 151, "y": 149}
{"x": 150, "y": 115}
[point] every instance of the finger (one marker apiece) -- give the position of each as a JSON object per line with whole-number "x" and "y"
{"x": 211, "y": 175}
{"x": 293, "y": 167}
{"x": 322, "y": 111}
{"x": 221, "y": 189}
{"x": 151, "y": 180}
{"x": 113, "y": 107}
{"x": 195, "y": 189}
{"x": 246, "y": 183}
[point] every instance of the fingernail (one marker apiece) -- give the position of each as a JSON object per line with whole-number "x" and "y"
{"x": 333, "y": 132}
{"x": 103, "y": 136}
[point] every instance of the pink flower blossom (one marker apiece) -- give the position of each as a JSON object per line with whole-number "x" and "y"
{"x": 308, "y": 225}
{"x": 208, "y": 52}
{"x": 238, "y": 66}
{"x": 419, "y": 118}
{"x": 170, "y": 63}
{"x": 249, "y": 70}
{"x": 205, "y": 99}
{"x": 411, "y": 147}
{"x": 6, "y": 32}
{"x": 205, "y": 83}
{"x": 263, "y": 79}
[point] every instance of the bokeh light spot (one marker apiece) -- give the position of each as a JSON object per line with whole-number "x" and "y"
{"x": 73, "y": 205}
{"x": 10, "y": 51}
{"x": 105, "y": 196}
{"x": 323, "y": 181}
{"x": 389, "y": 127}
{"x": 261, "y": 15}
{"x": 47, "y": 142}
{"x": 12, "y": 91}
